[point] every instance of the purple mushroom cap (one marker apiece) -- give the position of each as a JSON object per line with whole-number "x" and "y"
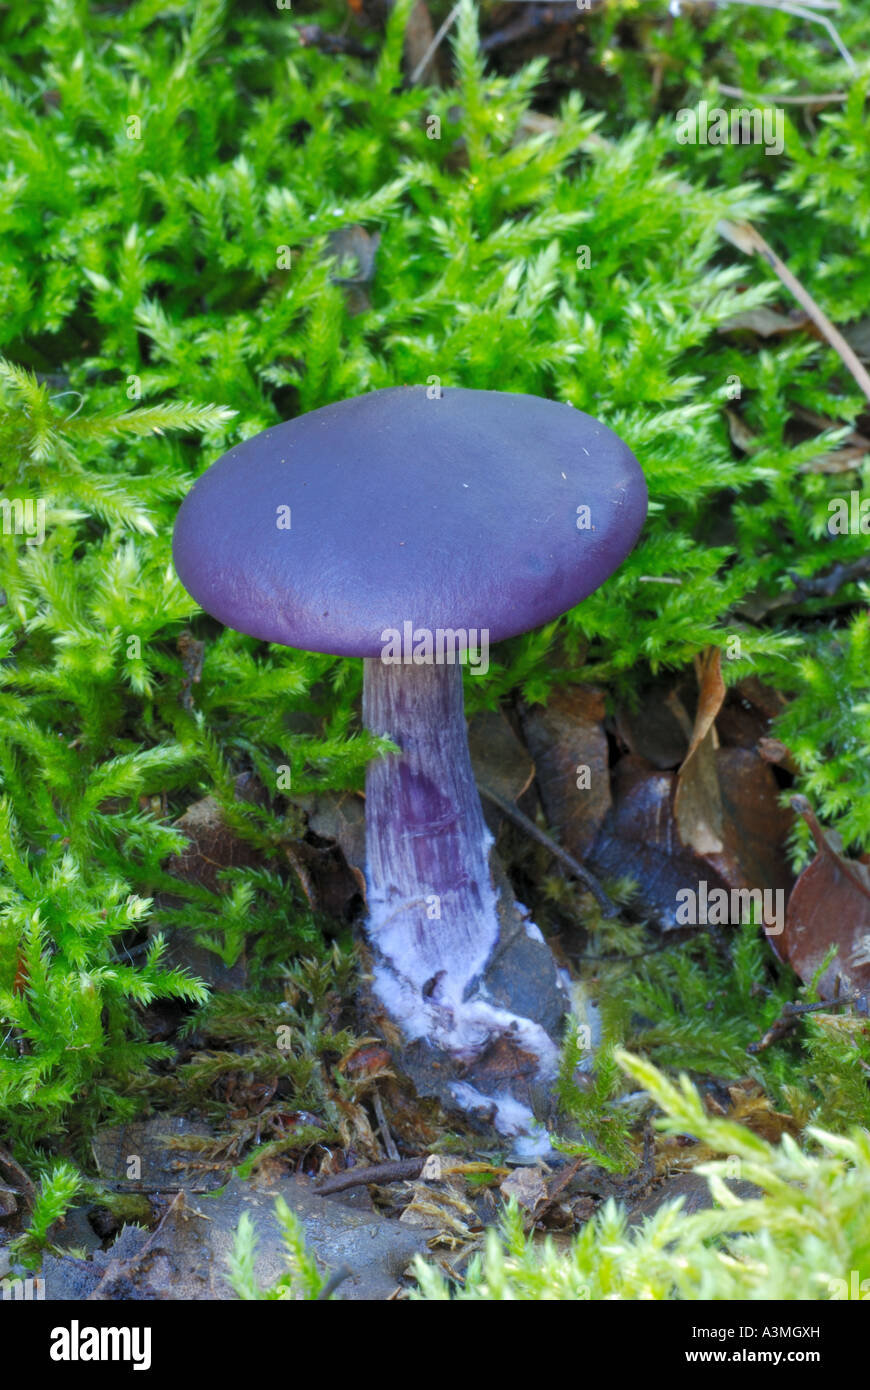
{"x": 464, "y": 511}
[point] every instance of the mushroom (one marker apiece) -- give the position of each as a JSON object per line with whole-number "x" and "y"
{"x": 414, "y": 527}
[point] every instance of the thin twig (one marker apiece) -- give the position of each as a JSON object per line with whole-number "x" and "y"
{"x": 805, "y": 11}
{"x": 745, "y": 237}
{"x": 403, "y": 1171}
{"x": 827, "y": 585}
{"x": 795, "y": 1010}
{"x": 516, "y": 815}
{"x": 792, "y": 1012}
{"x": 775, "y": 99}
{"x": 534, "y": 18}
{"x": 820, "y": 586}
{"x": 312, "y": 36}
{"x": 434, "y": 46}
{"x": 142, "y": 1189}
{"x": 802, "y": 12}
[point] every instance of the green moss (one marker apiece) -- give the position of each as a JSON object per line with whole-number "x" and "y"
{"x": 803, "y": 1237}
{"x": 162, "y": 162}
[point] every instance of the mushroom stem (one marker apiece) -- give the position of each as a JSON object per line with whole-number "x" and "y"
{"x": 434, "y": 911}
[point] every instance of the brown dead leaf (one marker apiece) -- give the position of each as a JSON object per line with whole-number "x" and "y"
{"x": 750, "y": 1106}
{"x": 772, "y": 750}
{"x": 213, "y": 845}
{"x": 568, "y": 743}
{"x": 333, "y": 856}
{"x": 738, "y": 725}
{"x": 368, "y": 1061}
{"x": 192, "y": 654}
{"x": 744, "y": 719}
{"x": 527, "y": 1186}
{"x": 419, "y": 35}
{"x": 767, "y": 323}
{"x": 533, "y": 123}
{"x": 443, "y": 1207}
{"x": 498, "y": 758}
{"x": 502, "y": 1061}
{"x": 655, "y": 731}
{"x": 755, "y": 825}
{"x": 640, "y": 837}
{"x": 741, "y": 435}
{"x": 329, "y": 883}
{"x": 772, "y": 702}
{"x": 857, "y": 335}
{"x": 355, "y": 251}
{"x": 830, "y": 906}
{"x": 17, "y": 1177}
{"x": 15, "y": 1186}
{"x": 339, "y": 817}
{"x": 698, "y": 799}
{"x": 850, "y": 454}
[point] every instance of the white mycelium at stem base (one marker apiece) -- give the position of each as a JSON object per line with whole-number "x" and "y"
{"x": 433, "y": 908}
